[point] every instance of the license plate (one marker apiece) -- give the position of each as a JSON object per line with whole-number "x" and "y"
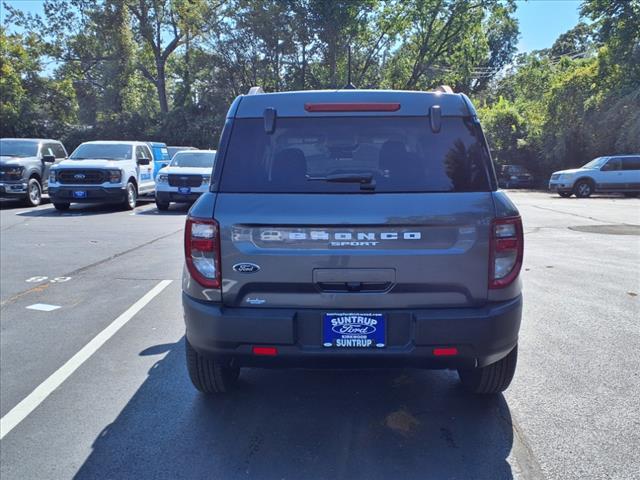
{"x": 353, "y": 330}
{"x": 79, "y": 194}
{"x": 184, "y": 190}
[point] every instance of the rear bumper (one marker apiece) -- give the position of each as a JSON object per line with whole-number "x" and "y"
{"x": 482, "y": 336}
{"x": 94, "y": 194}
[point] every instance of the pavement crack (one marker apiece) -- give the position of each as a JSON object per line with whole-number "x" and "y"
{"x": 80, "y": 270}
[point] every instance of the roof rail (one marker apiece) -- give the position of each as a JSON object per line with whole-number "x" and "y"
{"x": 255, "y": 90}
{"x": 443, "y": 89}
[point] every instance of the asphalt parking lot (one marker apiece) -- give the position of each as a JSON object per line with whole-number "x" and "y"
{"x": 93, "y": 382}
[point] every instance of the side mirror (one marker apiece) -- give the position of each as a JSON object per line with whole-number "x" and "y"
{"x": 48, "y": 159}
{"x": 143, "y": 161}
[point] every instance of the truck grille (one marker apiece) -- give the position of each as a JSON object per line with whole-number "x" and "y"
{"x": 176, "y": 180}
{"x": 84, "y": 177}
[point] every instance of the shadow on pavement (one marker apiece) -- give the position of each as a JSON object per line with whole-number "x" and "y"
{"x": 174, "y": 209}
{"x": 83, "y": 210}
{"x": 304, "y": 424}
{"x": 15, "y": 203}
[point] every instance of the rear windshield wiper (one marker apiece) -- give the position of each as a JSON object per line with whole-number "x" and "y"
{"x": 365, "y": 180}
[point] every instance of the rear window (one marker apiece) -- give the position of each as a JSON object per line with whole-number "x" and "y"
{"x": 401, "y": 154}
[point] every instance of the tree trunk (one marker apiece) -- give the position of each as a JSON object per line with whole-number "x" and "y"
{"x": 161, "y": 86}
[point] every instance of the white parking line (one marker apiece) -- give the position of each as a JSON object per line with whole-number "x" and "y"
{"x": 43, "y": 307}
{"x": 42, "y": 391}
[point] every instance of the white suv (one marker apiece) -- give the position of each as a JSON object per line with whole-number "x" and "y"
{"x": 103, "y": 172}
{"x": 615, "y": 174}
{"x": 185, "y": 178}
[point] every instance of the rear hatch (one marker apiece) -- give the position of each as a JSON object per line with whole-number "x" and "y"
{"x": 362, "y": 212}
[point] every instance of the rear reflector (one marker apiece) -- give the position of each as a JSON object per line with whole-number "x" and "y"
{"x": 352, "y": 107}
{"x": 445, "y": 352}
{"x": 268, "y": 351}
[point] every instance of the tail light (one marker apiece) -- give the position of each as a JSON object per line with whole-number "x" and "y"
{"x": 202, "y": 251}
{"x": 505, "y": 251}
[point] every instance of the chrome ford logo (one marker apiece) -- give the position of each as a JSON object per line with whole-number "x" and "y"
{"x": 79, "y": 176}
{"x": 354, "y": 324}
{"x": 246, "y": 267}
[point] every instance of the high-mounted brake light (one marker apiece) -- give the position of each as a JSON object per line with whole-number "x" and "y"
{"x": 506, "y": 247}
{"x": 352, "y": 107}
{"x": 202, "y": 251}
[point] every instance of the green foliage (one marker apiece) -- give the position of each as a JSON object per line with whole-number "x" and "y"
{"x": 31, "y": 104}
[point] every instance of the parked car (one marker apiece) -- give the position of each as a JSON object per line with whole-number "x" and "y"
{"x": 353, "y": 228}
{"x": 174, "y": 150}
{"x": 114, "y": 172}
{"x": 515, "y": 176}
{"x": 24, "y": 167}
{"x": 185, "y": 179}
{"x": 612, "y": 174}
{"x": 161, "y": 156}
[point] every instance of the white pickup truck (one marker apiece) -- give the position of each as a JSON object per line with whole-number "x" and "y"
{"x": 114, "y": 172}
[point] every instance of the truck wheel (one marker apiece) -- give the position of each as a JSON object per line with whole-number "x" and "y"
{"x": 62, "y": 206}
{"x": 209, "y": 375}
{"x": 131, "y": 199}
{"x": 34, "y": 193}
{"x": 492, "y": 379}
{"x": 565, "y": 194}
{"x": 583, "y": 189}
{"x": 162, "y": 205}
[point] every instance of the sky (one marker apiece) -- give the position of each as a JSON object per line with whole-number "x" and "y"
{"x": 541, "y": 21}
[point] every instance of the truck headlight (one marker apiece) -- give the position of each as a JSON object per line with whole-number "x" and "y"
{"x": 206, "y": 179}
{"x": 115, "y": 176}
{"x": 52, "y": 176}
{"x": 162, "y": 178}
{"x": 13, "y": 173}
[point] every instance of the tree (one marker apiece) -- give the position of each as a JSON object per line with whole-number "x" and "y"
{"x": 163, "y": 26}
{"x": 31, "y": 104}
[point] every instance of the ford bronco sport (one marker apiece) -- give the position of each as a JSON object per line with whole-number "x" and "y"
{"x": 353, "y": 228}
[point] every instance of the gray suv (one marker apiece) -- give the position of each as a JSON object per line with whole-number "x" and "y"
{"x": 353, "y": 228}
{"x": 24, "y": 167}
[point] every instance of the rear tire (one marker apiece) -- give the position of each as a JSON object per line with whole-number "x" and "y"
{"x": 62, "y": 206}
{"x": 209, "y": 375}
{"x": 583, "y": 189}
{"x": 34, "y": 193}
{"x": 492, "y": 379}
{"x": 565, "y": 194}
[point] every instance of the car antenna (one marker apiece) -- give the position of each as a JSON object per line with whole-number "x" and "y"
{"x": 349, "y": 85}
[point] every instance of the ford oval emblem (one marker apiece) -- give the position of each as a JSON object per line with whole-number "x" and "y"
{"x": 246, "y": 267}
{"x": 79, "y": 176}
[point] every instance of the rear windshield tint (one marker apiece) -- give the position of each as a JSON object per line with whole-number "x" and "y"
{"x": 402, "y": 154}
